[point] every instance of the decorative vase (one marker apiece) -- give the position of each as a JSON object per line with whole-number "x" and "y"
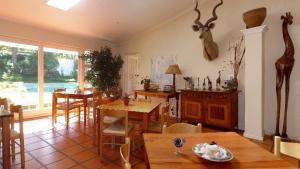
{"x": 255, "y": 17}
{"x": 126, "y": 101}
{"x": 146, "y": 86}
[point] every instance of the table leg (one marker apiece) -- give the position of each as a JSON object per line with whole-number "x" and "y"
{"x": 98, "y": 130}
{"x": 146, "y": 122}
{"x": 84, "y": 111}
{"x": 5, "y": 142}
{"x": 157, "y": 113}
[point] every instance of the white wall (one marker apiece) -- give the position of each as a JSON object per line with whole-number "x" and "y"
{"x": 11, "y": 31}
{"x": 177, "y": 38}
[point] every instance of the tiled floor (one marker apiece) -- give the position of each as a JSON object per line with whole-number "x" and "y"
{"x": 62, "y": 148}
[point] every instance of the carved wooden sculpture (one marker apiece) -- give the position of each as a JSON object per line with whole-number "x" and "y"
{"x": 210, "y": 48}
{"x": 284, "y": 66}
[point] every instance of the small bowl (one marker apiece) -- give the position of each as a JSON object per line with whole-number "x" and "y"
{"x": 255, "y": 17}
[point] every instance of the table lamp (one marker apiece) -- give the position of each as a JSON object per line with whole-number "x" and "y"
{"x": 174, "y": 70}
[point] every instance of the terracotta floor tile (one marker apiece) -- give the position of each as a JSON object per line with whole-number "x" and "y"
{"x": 66, "y": 131}
{"x": 111, "y": 166}
{"x": 50, "y": 158}
{"x": 77, "y": 167}
{"x": 64, "y": 145}
{"x": 88, "y": 144}
{"x": 17, "y": 159}
{"x": 49, "y": 135}
{"x": 83, "y": 156}
{"x": 73, "y": 150}
{"x": 94, "y": 163}
{"x": 42, "y": 151}
{"x": 32, "y": 164}
{"x": 36, "y": 145}
{"x": 29, "y": 135}
{"x": 82, "y": 139}
{"x": 31, "y": 140}
{"x": 56, "y": 140}
{"x": 62, "y": 164}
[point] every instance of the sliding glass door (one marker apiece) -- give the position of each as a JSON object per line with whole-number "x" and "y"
{"x": 18, "y": 74}
{"x": 29, "y": 74}
{"x": 60, "y": 71}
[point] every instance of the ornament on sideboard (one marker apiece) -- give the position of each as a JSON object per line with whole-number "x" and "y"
{"x": 146, "y": 82}
{"x": 218, "y": 81}
{"x": 235, "y": 63}
{"x": 209, "y": 83}
{"x": 189, "y": 83}
{"x": 204, "y": 84}
{"x": 255, "y": 17}
{"x": 210, "y": 48}
{"x": 284, "y": 66}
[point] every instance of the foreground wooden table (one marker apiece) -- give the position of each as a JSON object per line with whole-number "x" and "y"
{"x": 160, "y": 152}
{"x": 136, "y": 109}
{"x": 5, "y": 117}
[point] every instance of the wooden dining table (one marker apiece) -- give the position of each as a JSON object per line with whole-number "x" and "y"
{"x": 83, "y": 95}
{"x": 5, "y": 118}
{"x": 160, "y": 154}
{"x": 142, "y": 110}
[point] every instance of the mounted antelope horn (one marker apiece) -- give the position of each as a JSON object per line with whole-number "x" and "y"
{"x": 197, "y": 21}
{"x": 215, "y": 17}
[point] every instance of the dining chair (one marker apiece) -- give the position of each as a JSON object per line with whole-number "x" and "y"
{"x": 157, "y": 126}
{"x": 118, "y": 128}
{"x": 66, "y": 106}
{"x": 125, "y": 154}
{"x": 3, "y": 102}
{"x": 14, "y": 134}
{"x": 182, "y": 128}
{"x": 287, "y": 148}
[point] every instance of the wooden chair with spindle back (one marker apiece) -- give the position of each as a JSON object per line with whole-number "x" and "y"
{"x": 182, "y": 128}
{"x": 287, "y": 148}
{"x": 125, "y": 154}
{"x": 65, "y": 106}
{"x": 117, "y": 128}
{"x": 4, "y": 103}
{"x": 17, "y": 110}
{"x": 157, "y": 126}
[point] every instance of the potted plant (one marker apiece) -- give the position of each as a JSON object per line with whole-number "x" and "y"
{"x": 146, "y": 82}
{"x": 126, "y": 99}
{"x": 104, "y": 71}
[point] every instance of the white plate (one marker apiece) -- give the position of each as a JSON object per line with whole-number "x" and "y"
{"x": 201, "y": 151}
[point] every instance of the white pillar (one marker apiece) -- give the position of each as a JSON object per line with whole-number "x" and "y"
{"x": 254, "y": 82}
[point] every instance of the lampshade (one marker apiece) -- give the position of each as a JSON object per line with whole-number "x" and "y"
{"x": 173, "y": 69}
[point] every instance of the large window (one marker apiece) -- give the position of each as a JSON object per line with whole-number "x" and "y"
{"x": 29, "y": 74}
{"x": 60, "y": 71}
{"x": 19, "y": 73}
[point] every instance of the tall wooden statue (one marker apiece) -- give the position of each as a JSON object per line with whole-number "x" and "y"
{"x": 284, "y": 66}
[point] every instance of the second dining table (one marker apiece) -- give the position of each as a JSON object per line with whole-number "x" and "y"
{"x": 136, "y": 109}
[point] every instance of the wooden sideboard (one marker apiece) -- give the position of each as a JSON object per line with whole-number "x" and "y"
{"x": 215, "y": 108}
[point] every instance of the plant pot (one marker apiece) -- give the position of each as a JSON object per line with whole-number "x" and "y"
{"x": 126, "y": 102}
{"x": 255, "y": 17}
{"x": 146, "y": 86}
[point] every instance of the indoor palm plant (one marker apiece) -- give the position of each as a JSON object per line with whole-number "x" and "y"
{"x": 104, "y": 71}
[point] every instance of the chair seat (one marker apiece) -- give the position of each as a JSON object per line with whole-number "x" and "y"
{"x": 110, "y": 119}
{"x": 117, "y": 129}
{"x": 64, "y": 106}
{"x": 13, "y": 133}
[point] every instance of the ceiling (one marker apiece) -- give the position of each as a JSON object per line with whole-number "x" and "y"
{"x": 113, "y": 20}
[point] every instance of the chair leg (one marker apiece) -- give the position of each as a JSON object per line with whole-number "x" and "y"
{"x": 68, "y": 117}
{"x": 22, "y": 152}
{"x": 78, "y": 114}
{"x": 13, "y": 149}
{"x": 299, "y": 163}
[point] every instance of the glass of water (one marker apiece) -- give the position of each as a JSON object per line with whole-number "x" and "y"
{"x": 1, "y": 108}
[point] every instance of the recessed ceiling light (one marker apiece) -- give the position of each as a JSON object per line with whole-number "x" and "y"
{"x": 62, "y": 4}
